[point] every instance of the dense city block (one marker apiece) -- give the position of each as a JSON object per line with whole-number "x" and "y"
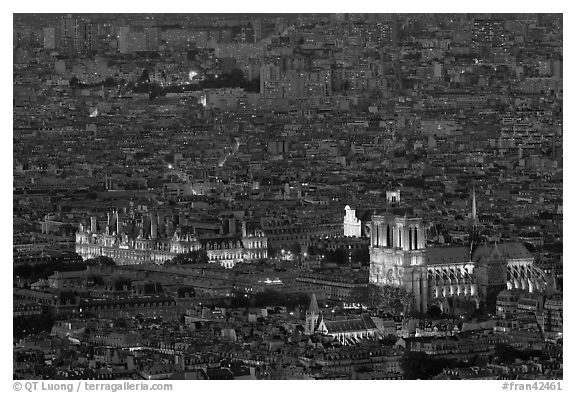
{"x": 287, "y": 196}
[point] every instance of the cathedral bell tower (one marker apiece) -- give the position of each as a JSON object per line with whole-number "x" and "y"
{"x": 397, "y": 248}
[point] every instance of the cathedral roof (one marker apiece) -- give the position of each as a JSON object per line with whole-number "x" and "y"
{"x": 512, "y": 250}
{"x": 442, "y": 255}
{"x": 407, "y": 212}
{"x": 403, "y": 211}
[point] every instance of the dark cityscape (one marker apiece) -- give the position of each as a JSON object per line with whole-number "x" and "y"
{"x": 352, "y": 196}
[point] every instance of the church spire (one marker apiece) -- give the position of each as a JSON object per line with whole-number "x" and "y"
{"x": 474, "y": 232}
{"x": 474, "y": 205}
{"x": 312, "y": 315}
{"x": 313, "y": 307}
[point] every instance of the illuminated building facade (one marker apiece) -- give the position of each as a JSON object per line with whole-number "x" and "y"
{"x": 119, "y": 243}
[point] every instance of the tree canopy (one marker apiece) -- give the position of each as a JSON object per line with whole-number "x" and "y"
{"x": 361, "y": 255}
{"x": 100, "y": 261}
{"x": 32, "y": 324}
{"x": 419, "y": 365}
{"x": 508, "y": 354}
{"x": 389, "y": 299}
{"x": 434, "y": 312}
{"x": 338, "y": 256}
{"x": 190, "y": 258}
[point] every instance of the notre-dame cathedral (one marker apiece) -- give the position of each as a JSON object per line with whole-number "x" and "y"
{"x": 439, "y": 275}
